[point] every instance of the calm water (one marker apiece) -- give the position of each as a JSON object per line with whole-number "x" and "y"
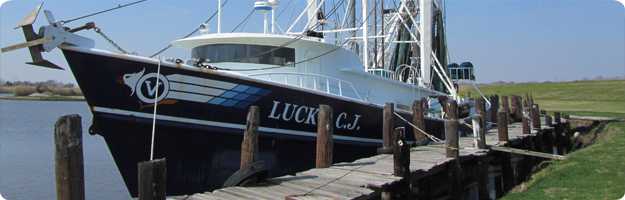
{"x": 27, "y": 152}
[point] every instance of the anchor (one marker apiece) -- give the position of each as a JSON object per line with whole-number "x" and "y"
{"x": 49, "y": 37}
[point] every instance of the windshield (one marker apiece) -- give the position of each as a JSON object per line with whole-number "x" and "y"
{"x": 245, "y": 53}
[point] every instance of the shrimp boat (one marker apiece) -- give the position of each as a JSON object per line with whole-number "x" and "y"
{"x": 393, "y": 53}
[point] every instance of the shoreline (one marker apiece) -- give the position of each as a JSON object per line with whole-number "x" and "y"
{"x": 43, "y": 98}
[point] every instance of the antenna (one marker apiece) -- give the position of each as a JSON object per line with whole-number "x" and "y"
{"x": 263, "y": 7}
{"x": 218, "y": 16}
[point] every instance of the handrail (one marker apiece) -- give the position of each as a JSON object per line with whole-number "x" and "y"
{"x": 315, "y": 81}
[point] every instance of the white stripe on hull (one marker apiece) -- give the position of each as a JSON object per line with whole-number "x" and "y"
{"x": 226, "y": 125}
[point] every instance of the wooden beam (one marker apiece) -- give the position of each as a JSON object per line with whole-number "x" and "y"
{"x": 527, "y": 152}
{"x": 451, "y": 139}
{"x": 401, "y": 154}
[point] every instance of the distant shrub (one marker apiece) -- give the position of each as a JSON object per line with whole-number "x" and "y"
{"x": 5, "y": 89}
{"x": 24, "y": 90}
{"x": 65, "y": 91}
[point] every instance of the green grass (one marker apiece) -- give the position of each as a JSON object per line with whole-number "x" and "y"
{"x": 596, "y": 172}
{"x": 606, "y": 97}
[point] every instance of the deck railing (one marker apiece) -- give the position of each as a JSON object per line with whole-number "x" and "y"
{"x": 318, "y": 82}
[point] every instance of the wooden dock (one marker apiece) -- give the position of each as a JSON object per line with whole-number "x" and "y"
{"x": 364, "y": 178}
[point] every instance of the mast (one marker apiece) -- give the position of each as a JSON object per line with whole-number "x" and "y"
{"x": 365, "y": 35}
{"x": 218, "y": 16}
{"x": 351, "y": 23}
{"x": 426, "y": 41}
{"x": 375, "y": 33}
{"x": 383, "y": 34}
{"x": 312, "y": 14}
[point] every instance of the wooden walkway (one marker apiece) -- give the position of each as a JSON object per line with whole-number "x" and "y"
{"x": 360, "y": 179}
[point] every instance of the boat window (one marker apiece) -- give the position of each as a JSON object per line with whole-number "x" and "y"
{"x": 245, "y": 53}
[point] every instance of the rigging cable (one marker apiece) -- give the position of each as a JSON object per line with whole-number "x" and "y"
{"x": 191, "y": 33}
{"x": 103, "y": 11}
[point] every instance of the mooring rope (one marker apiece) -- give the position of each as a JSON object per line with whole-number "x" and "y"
{"x": 432, "y": 137}
{"x": 158, "y": 76}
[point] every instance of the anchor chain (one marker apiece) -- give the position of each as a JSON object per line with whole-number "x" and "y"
{"x": 119, "y": 48}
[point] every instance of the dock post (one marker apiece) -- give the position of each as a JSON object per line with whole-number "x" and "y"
{"x": 480, "y": 108}
{"x": 525, "y": 124}
{"x": 548, "y": 121}
{"x": 482, "y": 179}
{"x": 249, "y": 146}
{"x": 387, "y": 129}
{"x": 494, "y": 107}
{"x": 453, "y": 151}
{"x": 516, "y": 110}
{"x": 502, "y": 128}
{"x": 479, "y": 131}
{"x": 152, "y": 179}
{"x": 559, "y": 130}
{"x": 451, "y": 139}
{"x": 557, "y": 117}
{"x": 325, "y": 143}
{"x": 535, "y": 117}
{"x": 401, "y": 154}
{"x": 506, "y": 106}
{"x": 68, "y": 156}
{"x": 452, "y": 109}
{"x": 418, "y": 119}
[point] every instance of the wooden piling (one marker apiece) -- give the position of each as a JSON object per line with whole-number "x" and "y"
{"x": 451, "y": 139}
{"x": 388, "y": 125}
{"x": 525, "y": 125}
{"x": 502, "y": 128}
{"x": 557, "y": 117}
{"x": 505, "y": 104}
{"x": 418, "y": 119}
{"x": 516, "y": 112}
{"x": 249, "y": 146}
{"x": 452, "y": 109}
{"x": 479, "y": 132}
{"x": 548, "y": 121}
{"x": 325, "y": 131}
{"x": 401, "y": 154}
{"x": 494, "y": 107}
{"x": 152, "y": 179}
{"x": 480, "y": 108}
{"x": 535, "y": 117}
{"x": 69, "y": 165}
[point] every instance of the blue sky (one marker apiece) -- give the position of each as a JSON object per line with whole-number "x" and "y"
{"x": 511, "y": 40}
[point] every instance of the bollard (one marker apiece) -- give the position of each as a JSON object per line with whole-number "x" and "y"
{"x": 249, "y": 146}
{"x": 502, "y": 128}
{"x": 68, "y": 156}
{"x": 325, "y": 130}
{"x": 387, "y": 128}
{"x": 152, "y": 179}
{"x": 418, "y": 119}
{"x": 451, "y": 139}
{"x": 401, "y": 154}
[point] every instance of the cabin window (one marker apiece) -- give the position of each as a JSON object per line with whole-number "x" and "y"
{"x": 245, "y": 53}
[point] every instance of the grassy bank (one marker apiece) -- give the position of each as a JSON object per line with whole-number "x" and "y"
{"x": 595, "y": 172}
{"x": 43, "y": 98}
{"x": 40, "y": 91}
{"x": 602, "y": 98}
